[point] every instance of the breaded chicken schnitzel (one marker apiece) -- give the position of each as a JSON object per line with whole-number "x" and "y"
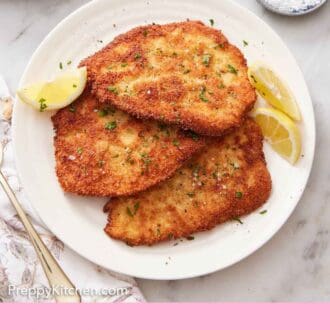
{"x": 184, "y": 73}
{"x": 228, "y": 179}
{"x": 101, "y": 151}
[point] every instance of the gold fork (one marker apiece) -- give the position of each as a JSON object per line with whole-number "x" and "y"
{"x": 63, "y": 289}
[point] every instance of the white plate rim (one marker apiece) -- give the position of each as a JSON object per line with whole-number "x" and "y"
{"x": 214, "y": 268}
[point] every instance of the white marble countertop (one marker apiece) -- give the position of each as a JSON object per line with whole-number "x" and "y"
{"x": 295, "y": 264}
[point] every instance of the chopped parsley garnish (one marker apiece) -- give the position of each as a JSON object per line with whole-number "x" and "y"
{"x": 238, "y": 219}
{"x": 145, "y": 158}
{"x": 232, "y": 69}
{"x": 216, "y": 173}
{"x": 43, "y": 104}
{"x": 263, "y": 212}
{"x": 102, "y": 112}
{"x": 136, "y": 206}
{"x": 130, "y": 160}
{"x": 190, "y": 238}
{"x": 163, "y": 127}
{"x": 202, "y": 95}
{"x": 106, "y": 110}
{"x": 72, "y": 108}
{"x": 192, "y": 135}
{"x": 221, "y": 86}
{"x": 110, "y": 125}
{"x": 254, "y": 78}
{"x": 129, "y": 212}
{"x": 113, "y": 90}
{"x": 100, "y": 163}
{"x": 206, "y": 59}
{"x": 211, "y": 21}
{"x": 74, "y": 86}
{"x": 137, "y": 56}
{"x": 176, "y": 142}
{"x": 239, "y": 194}
{"x": 60, "y": 65}
{"x": 191, "y": 194}
{"x": 135, "y": 209}
{"x": 123, "y": 65}
{"x": 245, "y": 43}
{"x": 146, "y": 162}
{"x": 69, "y": 62}
{"x": 80, "y": 150}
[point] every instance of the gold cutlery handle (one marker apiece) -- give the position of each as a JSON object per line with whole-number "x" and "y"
{"x": 63, "y": 289}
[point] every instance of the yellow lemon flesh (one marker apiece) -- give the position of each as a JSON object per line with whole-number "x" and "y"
{"x": 55, "y": 94}
{"x": 280, "y": 131}
{"x": 273, "y": 90}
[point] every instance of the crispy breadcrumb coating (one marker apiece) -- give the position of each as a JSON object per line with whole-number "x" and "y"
{"x": 228, "y": 179}
{"x": 101, "y": 151}
{"x": 181, "y": 73}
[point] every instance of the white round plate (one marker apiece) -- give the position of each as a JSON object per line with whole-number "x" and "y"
{"x": 79, "y": 221}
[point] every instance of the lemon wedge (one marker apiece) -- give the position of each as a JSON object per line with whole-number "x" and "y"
{"x": 274, "y": 90}
{"x": 280, "y": 131}
{"x": 55, "y": 94}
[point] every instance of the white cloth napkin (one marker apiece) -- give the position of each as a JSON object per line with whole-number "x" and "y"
{"x": 21, "y": 276}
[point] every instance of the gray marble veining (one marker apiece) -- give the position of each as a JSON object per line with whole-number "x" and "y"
{"x": 295, "y": 264}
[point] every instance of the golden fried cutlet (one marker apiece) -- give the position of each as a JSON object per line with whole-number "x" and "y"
{"x": 101, "y": 151}
{"x": 184, "y": 73}
{"x": 226, "y": 180}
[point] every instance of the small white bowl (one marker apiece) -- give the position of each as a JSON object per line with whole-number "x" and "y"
{"x": 292, "y": 7}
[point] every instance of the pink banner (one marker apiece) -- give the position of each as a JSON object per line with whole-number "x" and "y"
{"x": 165, "y": 316}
